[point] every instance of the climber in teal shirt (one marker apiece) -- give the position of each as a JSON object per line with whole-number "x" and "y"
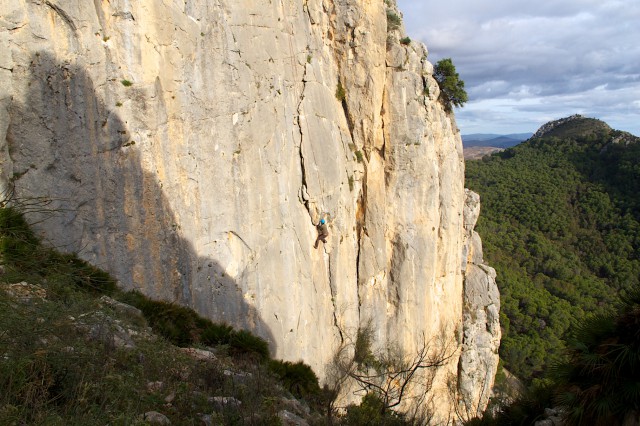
{"x": 323, "y": 232}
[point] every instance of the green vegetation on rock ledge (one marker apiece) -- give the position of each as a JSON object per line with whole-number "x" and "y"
{"x": 560, "y": 223}
{"x": 393, "y": 20}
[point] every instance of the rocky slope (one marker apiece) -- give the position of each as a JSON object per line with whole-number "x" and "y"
{"x": 189, "y": 148}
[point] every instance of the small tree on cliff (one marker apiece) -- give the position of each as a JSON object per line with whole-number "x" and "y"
{"x": 388, "y": 378}
{"x": 451, "y": 87}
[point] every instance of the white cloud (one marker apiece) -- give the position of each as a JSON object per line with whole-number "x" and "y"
{"x": 620, "y": 108}
{"x": 535, "y": 61}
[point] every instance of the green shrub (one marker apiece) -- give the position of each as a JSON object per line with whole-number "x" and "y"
{"x": 245, "y": 342}
{"x": 524, "y": 410}
{"x": 297, "y": 377}
{"x": 216, "y": 334}
{"x": 27, "y": 259}
{"x": 362, "y": 351}
{"x": 126, "y": 83}
{"x": 341, "y": 95}
{"x": 183, "y": 327}
{"x": 405, "y": 41}
{"x": 359, "y": 156}
{"x": 80, "y": 273}
{"x": 18, "y": 243}
{"x": 393, "y": 20}
{"x": 371, "y": 411}
{"x": 178, "y": 324}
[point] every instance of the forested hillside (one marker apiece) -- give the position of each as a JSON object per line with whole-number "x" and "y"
{"x": 560, "y": 223}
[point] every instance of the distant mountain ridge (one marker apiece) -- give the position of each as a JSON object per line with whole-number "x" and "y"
{"x": 494, "y": 140}
{"x": 568, "y": 127}
{"x": 580, "y": 127}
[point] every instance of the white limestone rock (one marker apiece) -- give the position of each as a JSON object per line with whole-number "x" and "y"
{"x": 189, "y": 148}
{"x": 481, "y": 325}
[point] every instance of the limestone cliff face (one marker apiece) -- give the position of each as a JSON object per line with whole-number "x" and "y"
{"x": 481, "y": 323}
{"x": 189, "y": 148}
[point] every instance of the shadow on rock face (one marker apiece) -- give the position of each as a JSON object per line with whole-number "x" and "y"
{"x": 68, "y": 147}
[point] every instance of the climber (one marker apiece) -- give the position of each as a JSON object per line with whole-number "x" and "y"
{"x": 323, "y": 232}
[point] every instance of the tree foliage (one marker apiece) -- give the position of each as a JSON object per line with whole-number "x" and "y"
{"x": 561, "y": 225}
{"x": 452, "y": 91}
{"x": 600, "y": 382}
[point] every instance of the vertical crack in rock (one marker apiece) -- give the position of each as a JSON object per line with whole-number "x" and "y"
{"x": 305, "y": 199}
{"x": 333, "y": 302}
{"x": 304, "y": 196}
{"x": 358, "y": 253}
{"x": 347, "y": 117}
{"x": 339, "y": 53}
{"x": 398, "y": 258}
{"x": 361, "y": 230}
{"x": 385, "y": 146}
{"x": 425, "y": 87}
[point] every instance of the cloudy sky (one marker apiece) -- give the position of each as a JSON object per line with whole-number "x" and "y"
{"x": 525, "y": 63}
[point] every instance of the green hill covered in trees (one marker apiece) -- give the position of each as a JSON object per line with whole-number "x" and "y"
{"x": 560, "y": 223}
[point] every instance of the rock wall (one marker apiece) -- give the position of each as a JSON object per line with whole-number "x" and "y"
{"x": 189, "y": 148}
{"x": 481, "y": 321}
